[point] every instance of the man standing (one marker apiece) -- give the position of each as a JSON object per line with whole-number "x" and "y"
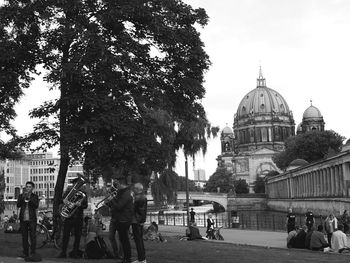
{"x": 140, "y": 207}
{"x": 28, "y": 202}
{"x": 310, "y": 219}
{"x": 75, "y": 221}
{"x": 330, "y": 225}
{"x": 290, "y": 220}
{"x": 122, "y": 209}
{"x": 192, "y": 214}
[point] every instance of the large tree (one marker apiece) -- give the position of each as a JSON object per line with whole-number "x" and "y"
{"x": 130, "y": 75}
{"x": 310, "y": 146}
{"x": 222, "y": 179}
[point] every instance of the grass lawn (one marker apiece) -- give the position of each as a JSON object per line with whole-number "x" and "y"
{"x": 190, "y": 251}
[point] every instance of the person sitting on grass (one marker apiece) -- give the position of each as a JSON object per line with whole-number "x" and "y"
{"x": 291, "y": 236}
{"x": 308, "y": 237}
{"x": 318, "y": 241}
{"x": 192, "y": 232}
{"x": 339, "y": 241}
{"x": 152, "y": 233}
{"x": 299, "y": 240}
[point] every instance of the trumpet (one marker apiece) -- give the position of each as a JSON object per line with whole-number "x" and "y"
{"x": 112, "y": 194}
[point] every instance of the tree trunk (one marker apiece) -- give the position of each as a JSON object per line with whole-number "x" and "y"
{"x": 187, "y": 193}
{"x": 63, "y": 120}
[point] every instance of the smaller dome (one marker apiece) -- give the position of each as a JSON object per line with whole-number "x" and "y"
{"x": 298, "y": 162}
{"x": 347, "y": 142}
{"x": 227, "y": 130}
{"x": 312, "y": 113}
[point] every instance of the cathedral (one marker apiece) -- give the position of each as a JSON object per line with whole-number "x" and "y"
{"x": 261, "y": 125}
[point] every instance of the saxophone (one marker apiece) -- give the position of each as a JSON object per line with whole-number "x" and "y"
{"x": 74, "y": 197}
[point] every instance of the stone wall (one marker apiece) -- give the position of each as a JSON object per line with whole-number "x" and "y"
{"x": 247, "y": 202}
{"x": 317, "y": 206}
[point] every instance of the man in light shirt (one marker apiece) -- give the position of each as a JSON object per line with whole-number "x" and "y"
{"x": 339, "y": 241}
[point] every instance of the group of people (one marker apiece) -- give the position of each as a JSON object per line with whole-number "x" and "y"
{"x": 328, "y": 237}
{"x": 128, "y": 209}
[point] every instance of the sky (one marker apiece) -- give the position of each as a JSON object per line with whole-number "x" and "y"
{"x": 301, "y": 45}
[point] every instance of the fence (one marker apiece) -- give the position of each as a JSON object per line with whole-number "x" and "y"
{"x": 259, "y": 220}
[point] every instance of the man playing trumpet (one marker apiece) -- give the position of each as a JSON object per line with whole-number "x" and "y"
{"x": 28, "y": 202}
{"x": 75, "y": 221}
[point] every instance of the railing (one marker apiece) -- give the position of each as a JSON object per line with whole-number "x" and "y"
{"x": 258, "y": 220}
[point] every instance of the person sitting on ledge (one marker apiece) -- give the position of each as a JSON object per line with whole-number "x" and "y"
{"x": 318, "y": 241}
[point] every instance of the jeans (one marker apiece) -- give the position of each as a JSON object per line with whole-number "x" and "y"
{"x": 123, "y": 231}
{"x": 28, "y": 227}
{"x": 115, "y": 243}
{"x": 137, "y": 231}
{"x": 69, "y": 223}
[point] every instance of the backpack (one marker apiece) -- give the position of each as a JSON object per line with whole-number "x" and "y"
{"x": 97, "y": 249}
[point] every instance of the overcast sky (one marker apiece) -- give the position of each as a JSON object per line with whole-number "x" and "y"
{"x": 303, "y": 48}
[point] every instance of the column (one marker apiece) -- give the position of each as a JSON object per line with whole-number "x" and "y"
{"x": 336, "y": 177}
{"x": 332, "y": 181}
{"x": 341, "y": 180}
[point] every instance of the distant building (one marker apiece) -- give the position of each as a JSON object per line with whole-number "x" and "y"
{"x": 43, "y": 172}
{"x": 16, "y": 175}
{"x": 199, "y": 178}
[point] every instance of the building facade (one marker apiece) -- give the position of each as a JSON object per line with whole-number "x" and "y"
{"x": 323, "y": 186}
{"x": 16, "y": 173}
{"x": 262, "y": 122}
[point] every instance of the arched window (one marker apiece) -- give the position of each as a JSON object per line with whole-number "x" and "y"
{"x": 264, "y": 134}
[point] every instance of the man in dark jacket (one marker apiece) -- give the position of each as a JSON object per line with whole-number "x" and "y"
{"x": 140, "y": 207}
{"x": 75, "y": 221}
{"x": 122, "y": 209}
{"x": 299, "y": 239}
{"x": 28, "y": 202}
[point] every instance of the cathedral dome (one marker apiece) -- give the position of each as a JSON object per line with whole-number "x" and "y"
{"x": 262, "y": 100}
{"x": 312, "y": 113}
{"x": 263, "y": 119}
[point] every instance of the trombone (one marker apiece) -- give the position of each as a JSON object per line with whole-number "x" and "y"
{"x": 112, "y": 194}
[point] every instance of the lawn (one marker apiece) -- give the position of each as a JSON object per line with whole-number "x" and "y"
{"x": 191, "y": 251}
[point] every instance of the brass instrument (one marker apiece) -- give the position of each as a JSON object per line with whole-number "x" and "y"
{"x": 74, "y": 197}
{"x": 111, "y": 195}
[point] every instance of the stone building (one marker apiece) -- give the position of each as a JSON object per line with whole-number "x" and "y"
{"x": 312, "y": 120}
{"x": 262, "y": 122}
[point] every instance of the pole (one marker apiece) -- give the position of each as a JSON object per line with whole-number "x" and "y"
{"x": 187, "y": 194}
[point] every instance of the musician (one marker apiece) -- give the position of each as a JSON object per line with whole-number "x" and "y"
{"x": 122, "y": 209}
{"x": 28, "y": 202}
{"x": 75, "y": 221}
{"x": 139, "y": 218}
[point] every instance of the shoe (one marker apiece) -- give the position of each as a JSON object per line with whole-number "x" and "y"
{"x": 23, "y": 255}
{"x": 143, "y": 261}
{"x": 62, "y": 255}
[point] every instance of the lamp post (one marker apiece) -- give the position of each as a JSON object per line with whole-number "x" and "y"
{"x": 187, "y": 193}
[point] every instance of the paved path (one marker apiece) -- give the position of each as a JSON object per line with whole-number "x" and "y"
{"x": 237, "y": 236}
{"x": 21, "y": 260}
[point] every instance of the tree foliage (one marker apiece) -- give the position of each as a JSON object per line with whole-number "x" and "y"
{"x": 259, "y": 186}
{"x": 165, "y": 187}
{"x": 310, "y": 146}
{"x": 130, "y": 77}
{"x": 2, "y": 189}
{"x": 241, "y": 186}
{"x": 220, "y": 178}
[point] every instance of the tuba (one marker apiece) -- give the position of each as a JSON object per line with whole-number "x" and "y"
{"x": 74, "y": 197}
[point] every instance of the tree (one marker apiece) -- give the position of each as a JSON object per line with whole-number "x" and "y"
{"x": 310, "y": 146}
{"x": 130, "y": 77}
{"x": 165, "y": 187}
{"x": 241, "y": 186}
{"x": 259, "y": 186}
{"x": 222, "y": 179}
{"x": 2, "y": 189}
